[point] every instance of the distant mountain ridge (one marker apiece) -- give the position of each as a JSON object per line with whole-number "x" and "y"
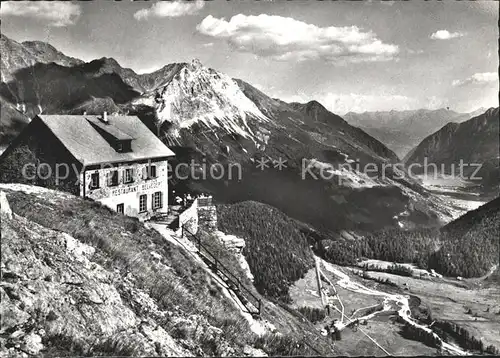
{"x": 474, "y": 142}
{"x": 15, "y": 56}
{"x": 141, "y": 83}
{"x": 470, "y": 246}
{"x": 403, "y": 130}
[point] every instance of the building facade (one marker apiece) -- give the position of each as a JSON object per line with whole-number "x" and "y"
{"x": 136, "y": 189}
{"x": 115, "y": 160}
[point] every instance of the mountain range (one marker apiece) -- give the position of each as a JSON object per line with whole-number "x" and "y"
{"x": 207, "y": 116}
{"x": 401, "y": 131}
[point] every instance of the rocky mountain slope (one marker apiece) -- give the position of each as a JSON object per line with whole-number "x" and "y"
{"x": 63, "y": 294}
{"x": 208, "y": 117}
{"x": 202, "y": 97}
{"x": 12, "y": 121}
{"x": 79, "y": 279}
{"x": 470, "y": 243}
{"x": 472, "y": 220}
{"x": 403, "y": 130}
{"x": 51, "y": 88}
{"x": 16, "y": 56}
{"x": 474, "y": 142}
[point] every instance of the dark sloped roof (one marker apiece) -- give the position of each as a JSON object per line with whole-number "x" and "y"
{"x": 110, "y": 129}
{"x": 86, "y": 144}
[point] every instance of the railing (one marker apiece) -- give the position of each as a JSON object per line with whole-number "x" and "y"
{"x": 233, "y": 282}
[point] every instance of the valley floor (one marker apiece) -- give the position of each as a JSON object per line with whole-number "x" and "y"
{"x": 475, "y": 309}
{"x": 459, "y": 195}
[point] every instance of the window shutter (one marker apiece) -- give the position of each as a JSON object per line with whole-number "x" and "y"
{"x": 144, "y": 173}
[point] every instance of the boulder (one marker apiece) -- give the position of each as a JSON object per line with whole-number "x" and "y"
{"x": 32, "y": 344}
{"x": 4, "y": 206}
{"x": 253, "y": 352}
{"x": 80, "y": 251}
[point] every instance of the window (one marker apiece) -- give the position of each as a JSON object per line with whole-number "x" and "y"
{"x": 120, "y": 208}
{"x": 94, "y": 180}
{"x": 129, "y": 176}
{"x": 149, "y": 172}
{"x": 123, "y": 145}
{"x": 113, "y": 178}
{"x": 143, "y": 203}
{"x": 152, "y": 171}
{"x": 157, "y": 200}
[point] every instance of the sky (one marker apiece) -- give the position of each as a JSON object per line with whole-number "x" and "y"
{"x": 349, "y": 55}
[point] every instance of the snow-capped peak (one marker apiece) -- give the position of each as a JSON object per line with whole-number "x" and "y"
{"x": 198, "y": 94}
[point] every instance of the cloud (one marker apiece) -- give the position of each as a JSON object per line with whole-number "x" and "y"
{"x": 477, "y": 78}
{"x": 56, "y": 13}
{"x": 170, "y": 9}
{"x": 445, "y": 35}
{"x": 284, "y": 38}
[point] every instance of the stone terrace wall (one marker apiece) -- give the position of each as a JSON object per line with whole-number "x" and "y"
{"x": 207, "y": 213}
{"x": 200, "y": 214}
{"x": 189, "y": 218}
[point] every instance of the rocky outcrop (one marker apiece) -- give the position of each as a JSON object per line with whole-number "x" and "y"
{"x": 236, "y": 245}
{"x": 254, "y": 352}
{"x": 230, "y": 242}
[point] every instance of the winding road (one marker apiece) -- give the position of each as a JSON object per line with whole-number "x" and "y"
{"x": 400, "y": 300}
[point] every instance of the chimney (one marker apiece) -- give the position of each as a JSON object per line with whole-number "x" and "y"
{"x": 105, "y": 117}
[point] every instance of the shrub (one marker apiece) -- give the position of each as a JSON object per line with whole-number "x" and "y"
{"x": 278, "y": 345}
{"x": 132, "y": 226}
{"x": 313, "y": 314}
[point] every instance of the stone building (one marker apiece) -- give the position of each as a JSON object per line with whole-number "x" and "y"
{"x": 115, "y": 160}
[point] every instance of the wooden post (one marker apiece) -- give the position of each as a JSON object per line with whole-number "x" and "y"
{"x": 318, "y": 280}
